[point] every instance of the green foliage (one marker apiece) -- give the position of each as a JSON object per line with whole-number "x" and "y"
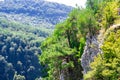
{"x": 106, "y": 66}
{"x": 106, "y": 11}
{"x": 82, "y": 44}
{"x": 87, "y": 22}
{"x": 94, "y": 5}
{"x": 109, "y": 13}
{"x": 17, "y": 28}
{"x": 24, "y": 24}
{"x": 62, "y": 51}
{"x": 19, "y": 46}
{"x": 33, "y": 12}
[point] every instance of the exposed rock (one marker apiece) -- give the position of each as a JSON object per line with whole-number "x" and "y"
{"x": 91, "y": 50}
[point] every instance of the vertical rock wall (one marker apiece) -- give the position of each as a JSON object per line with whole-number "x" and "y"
{"x": 91, "y": 49}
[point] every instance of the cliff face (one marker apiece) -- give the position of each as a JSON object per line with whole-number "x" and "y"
{"x": 92, "y": 48}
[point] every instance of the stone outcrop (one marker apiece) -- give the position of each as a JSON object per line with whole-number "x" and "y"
{"x": 92, "y": 48}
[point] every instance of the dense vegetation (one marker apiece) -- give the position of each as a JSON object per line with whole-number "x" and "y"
{"x": 34, "y": 12}
{"x": 106, "y": 66}
{"x": 61, "y": 52}
{"x": 24, "y": 24}
{"x": 18, "y": 52}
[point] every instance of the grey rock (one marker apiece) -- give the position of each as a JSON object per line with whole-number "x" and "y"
{"x": 90, "y": 51}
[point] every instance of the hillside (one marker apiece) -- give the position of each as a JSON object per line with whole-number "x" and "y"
{"x": 34, "y": 12}
{"x": 24, "y": 24}
{"x": 86, "y": 46}
{"x": 38, "y": 41}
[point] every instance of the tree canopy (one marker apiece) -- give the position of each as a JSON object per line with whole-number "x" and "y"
{"x": 62, "y": 51}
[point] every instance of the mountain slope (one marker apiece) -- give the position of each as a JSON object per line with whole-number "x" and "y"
{"x": 24, "y": 24}
{"x": 85, "y": 46}
{"x": 34, "y": 11}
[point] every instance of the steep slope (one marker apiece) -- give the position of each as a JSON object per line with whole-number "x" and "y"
{"x": 106, "y": 66}
{"x": 24, "y": 24}
{"x": 63, "y": 50}
{"x": 67, "y": 57}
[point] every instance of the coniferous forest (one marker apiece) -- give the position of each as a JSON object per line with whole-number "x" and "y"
{"x": 41, "y": 40}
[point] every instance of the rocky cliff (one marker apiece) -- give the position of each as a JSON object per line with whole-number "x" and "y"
{"x": 93, "y": 44}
